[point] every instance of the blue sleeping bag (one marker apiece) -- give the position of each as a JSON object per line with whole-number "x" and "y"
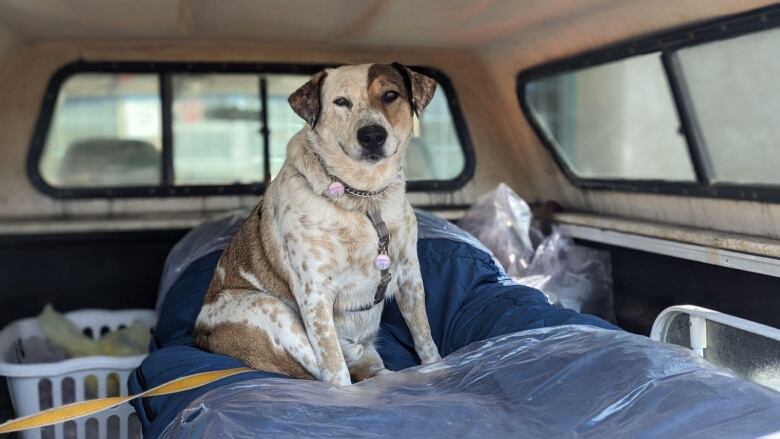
{"x": 468, "y": 299}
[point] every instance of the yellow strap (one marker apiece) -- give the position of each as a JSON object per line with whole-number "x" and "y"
{"x": 85, "y": 408}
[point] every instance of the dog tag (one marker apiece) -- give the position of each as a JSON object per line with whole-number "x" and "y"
{"x": 382, "y": 262}
{"x": 336, "y": 189}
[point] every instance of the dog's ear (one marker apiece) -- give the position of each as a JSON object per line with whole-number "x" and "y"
{"x": 306, "y": 100}
{"x": 422, "y": 87}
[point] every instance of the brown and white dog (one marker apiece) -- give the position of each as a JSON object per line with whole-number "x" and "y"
{"x": 297, "y": 291}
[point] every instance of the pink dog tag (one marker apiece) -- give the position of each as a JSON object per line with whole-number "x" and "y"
{"x": 382, "y": 262}
{"x": 335, "y": 189}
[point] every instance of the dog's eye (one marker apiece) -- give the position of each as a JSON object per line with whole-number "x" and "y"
{"x": 389, "y": 96}
{"x": 343, "y": 102}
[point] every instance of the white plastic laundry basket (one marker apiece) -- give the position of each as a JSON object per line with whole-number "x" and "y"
{"x": 35, "y": 387}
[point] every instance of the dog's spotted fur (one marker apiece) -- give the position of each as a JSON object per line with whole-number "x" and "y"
{"x": 284, "y": 291}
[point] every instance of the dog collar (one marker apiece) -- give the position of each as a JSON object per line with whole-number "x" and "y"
{"x": 337, "y": 188}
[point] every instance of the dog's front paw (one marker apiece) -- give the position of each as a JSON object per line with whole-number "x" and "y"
{"x": 353, "y": 352}
{"x": 428, "y": 353}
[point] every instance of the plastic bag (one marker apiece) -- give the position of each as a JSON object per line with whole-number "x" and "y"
{"x": 32, "y": 350}
{"x": 131, "y": 340}
{"x": 502, "y": 221}
{"x": 572, "y": 276}
{"x": 66, "y": 335}
{"x": 576, "y": 277}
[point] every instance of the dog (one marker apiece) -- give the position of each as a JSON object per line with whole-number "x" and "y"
{"x": 301, "y": 287}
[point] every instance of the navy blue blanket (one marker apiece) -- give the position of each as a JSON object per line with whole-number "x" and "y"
{"x": 468, "y": 298}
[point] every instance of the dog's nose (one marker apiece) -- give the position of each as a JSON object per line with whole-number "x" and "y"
{"x": 372, "y": 137}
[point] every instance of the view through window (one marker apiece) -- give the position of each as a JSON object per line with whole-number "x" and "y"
{"x": 615, "y": 121}
{"x": 695, "y": 111}
{"x": 107, "y": 130}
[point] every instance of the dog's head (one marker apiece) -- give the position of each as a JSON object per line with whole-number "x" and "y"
{"x": 363, "y": 111}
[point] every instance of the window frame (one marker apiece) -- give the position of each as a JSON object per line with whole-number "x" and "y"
{"x": 666, "y": 44}
{"x": 164, "y": 71}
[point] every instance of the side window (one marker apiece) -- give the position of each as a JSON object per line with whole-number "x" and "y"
{"x": 733, "y": 86}
{"x": 615, "y": 121}
{"x": 692, "y": 111}
{"x": 172, "y": 132}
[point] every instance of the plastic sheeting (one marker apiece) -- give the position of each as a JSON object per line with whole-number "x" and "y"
{"x": 430, "y": 226}
{"x": 214, "y": 234}
{"x": 572, "y": 276}
{"x": 502, "y": 221}
{"x": 467, "y": 299}
{"x": 569, "y": 381}
{"x": 576, "y": 277}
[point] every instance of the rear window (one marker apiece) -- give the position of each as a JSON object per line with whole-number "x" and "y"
{"x": 176, "y": 129}
{"x": 693, "y": 111}
{"x": 106, "y": 131}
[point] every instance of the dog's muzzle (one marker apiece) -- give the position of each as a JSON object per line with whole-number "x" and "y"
{"x": 372, "y": 139}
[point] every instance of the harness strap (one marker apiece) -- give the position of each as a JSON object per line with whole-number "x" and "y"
{"x": 77, "y": 410}
{"x": 376, "y": 221}
{"x": 384, "y": 242}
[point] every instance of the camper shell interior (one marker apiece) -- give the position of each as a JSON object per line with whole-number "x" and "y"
{"x": 542, "y": 96}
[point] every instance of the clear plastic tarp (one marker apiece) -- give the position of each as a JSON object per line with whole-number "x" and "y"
{"x": 568, "y": 381}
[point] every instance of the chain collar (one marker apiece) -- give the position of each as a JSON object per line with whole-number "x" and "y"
{"x": 347, "y": 188}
